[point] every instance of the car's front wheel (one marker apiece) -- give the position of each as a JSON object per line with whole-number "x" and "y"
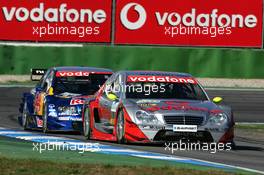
{"x": 86, "y": 124}
{"x": 25, "y": 115}
{"x": 45, "y": 119}
{"x": 120, "y": 127}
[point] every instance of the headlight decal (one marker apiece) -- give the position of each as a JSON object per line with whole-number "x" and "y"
{"x": 218, "y": 119}
{"x": 144, "y": 118}
{"x": 68, "y": 110}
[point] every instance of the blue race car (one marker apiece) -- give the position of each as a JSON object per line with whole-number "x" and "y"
{"x": 55, "y": 104}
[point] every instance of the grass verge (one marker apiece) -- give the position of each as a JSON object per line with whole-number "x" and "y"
{"x": 19, "y": 83}
{"x": 254, "y": 127}
{"x": 32, "y": 166}
{"x": 17, "y": 157}
{"x": 250, "y": 132}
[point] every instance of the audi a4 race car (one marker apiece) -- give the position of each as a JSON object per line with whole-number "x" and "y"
{"x": 149, "y": 107}
{"x": 55, "y": 104}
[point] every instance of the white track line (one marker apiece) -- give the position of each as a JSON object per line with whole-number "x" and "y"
{"x": 59, "y": 140}
{"x": 14, "y": 132}
{"x": 159, "y": 157}
{"x": 41, "y": 137}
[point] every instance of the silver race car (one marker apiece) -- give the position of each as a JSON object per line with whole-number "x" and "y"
{"x": 141, "y": 106}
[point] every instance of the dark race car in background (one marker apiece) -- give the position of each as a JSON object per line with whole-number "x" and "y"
{"x": 55, "y": 104}
{"x": 149, "y": 107}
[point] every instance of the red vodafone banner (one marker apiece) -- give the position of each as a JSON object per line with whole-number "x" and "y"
{"x": 56, "y": 20}
{"x": 216, "y": 23}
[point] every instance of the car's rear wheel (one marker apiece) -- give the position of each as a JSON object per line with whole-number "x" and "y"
{"x": 86, "y": 124}
{"x": 45, "y": 120}
{"x": 25, "y": 115}
{"x": 120, "y": 127}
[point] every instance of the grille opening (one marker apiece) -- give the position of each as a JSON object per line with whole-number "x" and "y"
{"x": 170, "y": 136}
{"x": 184, "y": 120}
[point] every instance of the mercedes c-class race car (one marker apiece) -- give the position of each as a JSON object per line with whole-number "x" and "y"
{"x": 149, "y": 107}
{"x": 55, "y": 104}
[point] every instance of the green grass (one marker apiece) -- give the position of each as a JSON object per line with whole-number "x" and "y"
{"x": 31, "y": 166}
{"x": 255, "y": 127}
{"x": 18, "y": 157}
{"x": 27, "y": 83}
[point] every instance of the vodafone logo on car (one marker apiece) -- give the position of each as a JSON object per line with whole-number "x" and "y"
{"x": 141, "y": 13}
{"x": 72, "y": 74}
{"x": 161, "y": 79}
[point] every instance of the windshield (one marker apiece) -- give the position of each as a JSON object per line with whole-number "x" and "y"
{"x": 84, "y": 85}
{"x": 157, "y": 90}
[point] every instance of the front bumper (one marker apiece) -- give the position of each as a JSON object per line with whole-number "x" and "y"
{"x": 55, "y": 124}
{"x": 206, "y": 132}
{"x": 165, "y": 133}
{"x": 170, "y": 136}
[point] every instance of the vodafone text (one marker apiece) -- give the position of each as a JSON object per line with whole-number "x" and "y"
{"x": 193, "y": 19}
{"x": 58, "y": 16}
{"x": 189, "y": 23}
{"x": 161, "y": 79}
{"x": 72, "y": 74}
{"x": 203, "y": 24}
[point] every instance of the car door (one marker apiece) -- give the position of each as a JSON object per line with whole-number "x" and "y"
{"x": 41, "y": 92}
{"x": 106, "y": 105}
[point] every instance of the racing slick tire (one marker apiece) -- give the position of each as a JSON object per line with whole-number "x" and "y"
{"x": 25, "y": 115}
{"x": 45, "y": 119}
{"x": 86, "y": 124}
{"x": 120, "y": 128}
{"x": 233, "y": 145}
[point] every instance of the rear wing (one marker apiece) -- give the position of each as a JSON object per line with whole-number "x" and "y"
{"x": 37, "y": 74}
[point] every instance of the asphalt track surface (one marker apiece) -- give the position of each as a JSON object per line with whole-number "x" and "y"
{"x": 248, "y": 106}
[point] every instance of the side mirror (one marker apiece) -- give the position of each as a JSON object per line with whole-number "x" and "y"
{"x": 217, "y": 100}
{"x": 112, "y": 97}
{"x": 51, "y": 91}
